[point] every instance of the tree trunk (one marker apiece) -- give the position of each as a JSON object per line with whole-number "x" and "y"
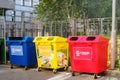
{"x": 73, "y": 26}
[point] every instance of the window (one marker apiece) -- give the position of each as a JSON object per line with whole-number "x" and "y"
{"x": 8, "y": 18}
{"x": 27, "y": 2}
{"x": 10, "y": 15}
{"x": 13, "y": 16}
{"x": 9, "y": 12}
{"x": 18, "y": 19}
{"x": 27, "y": 14}
{"x": 20, "y": 2}
{"x": 26, "y": 19}
{"x": 18, "y": 13}
{"x": 34, "y": 2}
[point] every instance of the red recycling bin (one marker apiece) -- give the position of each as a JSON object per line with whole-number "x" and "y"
{"x": 88, "y": 54}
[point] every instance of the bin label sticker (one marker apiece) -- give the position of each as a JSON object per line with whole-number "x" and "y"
{"x": 16, "y": 50}
{"x": 62, "y": 58}
{"x": 45, "y": 53}
{"x": 82, "y": 53}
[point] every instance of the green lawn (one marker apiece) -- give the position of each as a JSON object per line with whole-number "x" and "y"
{"x": 117, "y": 62}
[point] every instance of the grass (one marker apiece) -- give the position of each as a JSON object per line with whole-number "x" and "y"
{"x": 117, "y": 61}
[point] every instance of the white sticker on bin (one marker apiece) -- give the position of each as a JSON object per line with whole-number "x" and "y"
{"x": 16, "y": 50}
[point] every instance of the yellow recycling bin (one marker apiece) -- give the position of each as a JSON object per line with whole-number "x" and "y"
{"x": 52, "y": 52}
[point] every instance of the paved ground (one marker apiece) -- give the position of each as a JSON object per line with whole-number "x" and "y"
{"x": 19, "y": 73}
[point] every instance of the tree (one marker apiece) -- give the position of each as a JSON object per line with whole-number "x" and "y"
{"x": 59, "y": 10}
{"x": 64, "y": 9}
{"x": 118, "y": 8}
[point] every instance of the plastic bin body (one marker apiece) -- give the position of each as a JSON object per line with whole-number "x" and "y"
{"x": 52, "y": 52}
{"x": 21, "y": 51}
{"x": 88, "y": 53}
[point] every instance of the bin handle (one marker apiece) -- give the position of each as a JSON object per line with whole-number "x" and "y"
{"x": 38, "y": 39}
{"x": 39, "y": 56}
{"x": 73, "y": 38}
{"x": 90, "y": 38}
{"x": 50, "y": 38}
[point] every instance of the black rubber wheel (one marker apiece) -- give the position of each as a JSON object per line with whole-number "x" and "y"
{"x": 54, "y": 71}
{"x": 39, "y": 69}
{"x": 73, "y": 73}
{"x": 104, "y": 73}
{"x": 95, "y": 76}
{"x": 26, "y": 68}
{"x": 11, "y": 66}
{"x": 65, "y": 68}
{"x": 80, "y": 73}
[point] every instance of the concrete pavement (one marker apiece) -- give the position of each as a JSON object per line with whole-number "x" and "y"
{"x": 18, "y": 73}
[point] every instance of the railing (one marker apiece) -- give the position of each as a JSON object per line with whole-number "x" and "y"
{"x": 17, "y": 30}
{"x": 93, "y": 26}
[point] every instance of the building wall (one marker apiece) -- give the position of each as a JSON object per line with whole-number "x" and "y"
{"x": 7, "y": 4}
{"x": 23, "y": 11}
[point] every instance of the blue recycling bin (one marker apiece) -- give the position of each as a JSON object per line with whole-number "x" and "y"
{"x": 21, "y": 51}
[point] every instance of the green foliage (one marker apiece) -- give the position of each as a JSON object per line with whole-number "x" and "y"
{"x": 51, "y": 10}
{"x": 59, "y": 9}
{"x": 118, "y": 8}
{"x": 65, "y": 9}
{"x": 98, "y": 8}
{"x": 117, "y": 62}
{"x": 80, "y": 33}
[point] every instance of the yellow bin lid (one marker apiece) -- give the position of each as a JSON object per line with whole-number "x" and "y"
{"x": 49, "y": 39}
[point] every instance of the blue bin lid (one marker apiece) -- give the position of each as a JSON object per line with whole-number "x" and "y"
{"x": 19, "y": 39}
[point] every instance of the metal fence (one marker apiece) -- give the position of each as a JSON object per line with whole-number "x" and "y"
{"x": 94, "y": 26}
{"x": 34, "y": 29}
{"x": 11, "y": 29}
{"x": 56, "y": 28}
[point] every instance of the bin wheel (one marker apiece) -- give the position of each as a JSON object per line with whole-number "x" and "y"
{"x": 95, "y": 76}
{"x": 39, "y": 69}
{"x": 104, "y": 73}
{"x": 54, "y": 71}
{"x": 73, "y": 73}
{"x": 65, "y": 68}
{"x": 11, "y": 66}
{"x": 80, "y": 73}
{"x": 26, "y": 68}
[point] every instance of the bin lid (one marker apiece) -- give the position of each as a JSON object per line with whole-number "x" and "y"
{"x": 39, "y": 39}
{"x": 19, "y": 39}
{"x": 50, "y": 39}
{"x": 56, "y": 39}
{"x": 87, "y": 39}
